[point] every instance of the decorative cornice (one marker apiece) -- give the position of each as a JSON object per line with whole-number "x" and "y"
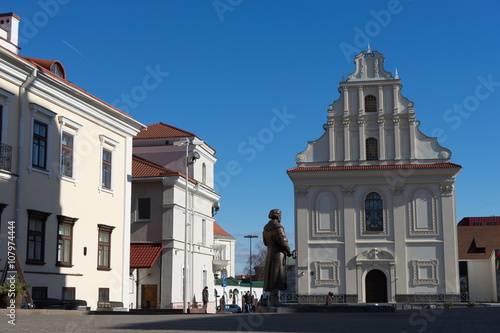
{"x": 397, "y": 190}
{"x": 446, "y": 190}
{"x": 348, "y": 190}
{"x": 301, "y": 191}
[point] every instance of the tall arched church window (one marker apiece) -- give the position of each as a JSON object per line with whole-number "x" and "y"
{"x": 370, "y": 103}
{"x": 374, "y": 216}
{"x": 371, "y": 149}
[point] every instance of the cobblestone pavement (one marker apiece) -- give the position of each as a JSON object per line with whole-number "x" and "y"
{"x": 479, "y": 319}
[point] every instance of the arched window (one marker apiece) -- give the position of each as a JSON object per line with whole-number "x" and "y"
{"x": 370, "y": 103}
{"x": 371, "y": 149}
{"x": 374, "y": 215}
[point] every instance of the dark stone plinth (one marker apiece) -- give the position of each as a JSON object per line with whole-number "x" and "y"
{"x": 293, "y": 308}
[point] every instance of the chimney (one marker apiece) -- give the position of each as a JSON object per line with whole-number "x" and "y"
{"x": 9, "y": 31}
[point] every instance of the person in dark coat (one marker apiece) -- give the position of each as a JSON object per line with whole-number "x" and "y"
{"x": 274, "y": 238}
{"x": 205, "y": 296}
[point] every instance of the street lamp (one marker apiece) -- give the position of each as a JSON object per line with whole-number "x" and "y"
{"x": 250, "y": 236}
{"x": 185, "y": 142}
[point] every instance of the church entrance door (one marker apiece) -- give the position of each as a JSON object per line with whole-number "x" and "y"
{"x": 376, "y": 287}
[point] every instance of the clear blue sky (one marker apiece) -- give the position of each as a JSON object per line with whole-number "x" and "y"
{"x": 254, "y": 78}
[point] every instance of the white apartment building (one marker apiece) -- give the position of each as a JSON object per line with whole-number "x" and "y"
{"x": 159, "y": 209}
{"x": 65, "y": 157}
{"x": 374, "y": 198}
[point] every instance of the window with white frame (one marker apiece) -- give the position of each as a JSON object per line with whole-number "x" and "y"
{"x": 5, "y": 98}
{"x": 108, "y": 146}
{"x": 41, "y": 129}
{"x": 69, "y": 132}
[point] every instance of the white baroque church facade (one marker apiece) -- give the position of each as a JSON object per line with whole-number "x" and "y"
{"x": 374, "y": 198}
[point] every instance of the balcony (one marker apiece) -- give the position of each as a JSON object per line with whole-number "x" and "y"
{"x": 219, "y": 262}
{"x": 5, "y": 162}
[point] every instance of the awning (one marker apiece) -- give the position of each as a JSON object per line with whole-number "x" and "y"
{"x": 144, "y": 255}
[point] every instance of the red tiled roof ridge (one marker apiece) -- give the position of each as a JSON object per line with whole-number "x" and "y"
{"x": 74, "y": 86}
{"x": 154, "y": 131}
{"x": 219, "y": 231}
{"x": 151, "y": 164}
{"x": 144, "y": 255}
{"x": 376, "y": 167}
{"x": 162, "y": 171}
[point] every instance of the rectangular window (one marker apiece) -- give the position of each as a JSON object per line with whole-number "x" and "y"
{"x": 39, "y": 292}
{"x": 40, "y": 138}
{"x": 492, "y": 223}
{"x": 65, "y": 240}
{"x": 106, "y": 169}
{"x": 104, "y": 247}
{"x": 143, "y": 209}
{"x": 67, "y": 155}
{"x": 103, "y": 294}
{"x": 203, "y": 232}
{"x": 36, "y": 237}
{"x": 68, "y": 293}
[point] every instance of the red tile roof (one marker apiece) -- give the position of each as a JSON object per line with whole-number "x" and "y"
{"x": 376, "y": 167}
{"x": 63, "y": 80}
{"x": 144, "y": 255}
{"x": 470, "y": 221}
{"x": 47, "y": 64}
{"x": 218, "y": 231}
{"x": 142, "y": 168}
{"x": 162, "y": 130}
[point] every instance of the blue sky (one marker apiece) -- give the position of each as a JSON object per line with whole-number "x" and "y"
{"x": 254, "y": 78}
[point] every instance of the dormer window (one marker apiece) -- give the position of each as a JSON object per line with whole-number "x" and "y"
{"x": 57, "y": 69}
{"x": 370, "y": 103}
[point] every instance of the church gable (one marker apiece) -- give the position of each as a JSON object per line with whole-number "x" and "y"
{"x": 372, "y": 121}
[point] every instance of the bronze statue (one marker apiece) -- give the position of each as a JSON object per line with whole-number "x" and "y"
{"x": 277, "y": 249}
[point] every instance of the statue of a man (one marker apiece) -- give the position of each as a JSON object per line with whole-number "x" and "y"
{"x": 277, "y": 249}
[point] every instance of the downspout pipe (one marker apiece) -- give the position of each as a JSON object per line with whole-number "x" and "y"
{"x": 20, "y": 157}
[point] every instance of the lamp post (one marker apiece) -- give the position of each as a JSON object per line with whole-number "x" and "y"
{"x": 185, "y": 142}
{"x": 250, "y": 236}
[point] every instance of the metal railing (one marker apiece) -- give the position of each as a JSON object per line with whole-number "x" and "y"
{"x": 5, "y": 157}
{"x": 308, "y": 299}
{"x": 436, "y": 298}
{"x": 475, "y": 297}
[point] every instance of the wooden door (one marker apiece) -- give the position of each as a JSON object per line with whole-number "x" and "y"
{"x": 376, "y": 287}
{"x": 149, "y": 294}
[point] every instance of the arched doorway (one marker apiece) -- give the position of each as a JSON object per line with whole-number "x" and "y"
{"x": 376, "y": 287}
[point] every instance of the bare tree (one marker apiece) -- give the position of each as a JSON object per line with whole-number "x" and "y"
{"x": 258, "y": 261}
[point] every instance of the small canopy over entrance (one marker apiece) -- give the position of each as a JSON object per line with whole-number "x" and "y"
{"x": 376, "y": 276}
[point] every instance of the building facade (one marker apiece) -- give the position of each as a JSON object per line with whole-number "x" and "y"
{"x": 224, "y": 252}
{"x": 374, "y": 198}
{"x": 65, "y": 159}
{"x": 159, "y": 209}
{"x": 479, "y": 263}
